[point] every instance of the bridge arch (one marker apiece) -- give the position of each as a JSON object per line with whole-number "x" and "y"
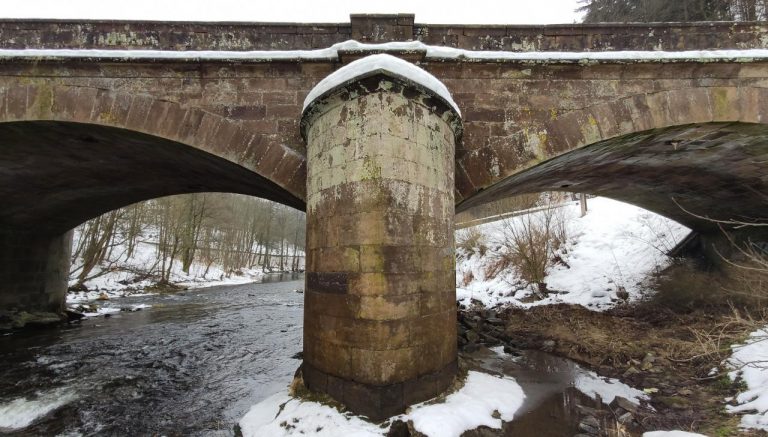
{"x": 702, "y": 149}
{"x": 77, "y": 115}
{"x": 68, "y": 154}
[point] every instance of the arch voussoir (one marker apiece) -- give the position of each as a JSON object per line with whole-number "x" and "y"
{"x": 213, "y": 133}
{"x": 562, "y": 133}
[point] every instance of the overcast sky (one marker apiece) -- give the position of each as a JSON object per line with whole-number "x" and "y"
{"x": 446, "y": 11}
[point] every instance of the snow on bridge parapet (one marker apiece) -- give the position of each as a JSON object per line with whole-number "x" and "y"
{"x": 380, "y": 63}
{"x": 430, "y": 53}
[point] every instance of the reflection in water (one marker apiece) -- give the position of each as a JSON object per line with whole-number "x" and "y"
{"x": 554, "y": 404}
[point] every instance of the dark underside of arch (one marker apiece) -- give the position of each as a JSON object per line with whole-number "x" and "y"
{"x": 55, "y": 175}
{"x": 717, "y": 170}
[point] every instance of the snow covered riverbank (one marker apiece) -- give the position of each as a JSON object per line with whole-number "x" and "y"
{"x": 125, "y": 274}
{"x": 749, "y": 363}
{"x": 615, "y": 248}
{"x": 483, "y": 400}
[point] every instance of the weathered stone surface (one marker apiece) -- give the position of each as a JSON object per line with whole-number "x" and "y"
{"x": 34, "y": 270}
{"x": 379, "y": 228}
{"x": 15, "y": 33}
{"x": 379, "y": 402}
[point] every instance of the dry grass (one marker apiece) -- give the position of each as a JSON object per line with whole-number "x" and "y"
{"x": 470, "y": 241}
{"x": 688, "y": 328}
{"x": 497, "y": 265}
{"x": 529, "y": 243}
{"x": 684, "y": 347}
{"x": 467, "y": 278}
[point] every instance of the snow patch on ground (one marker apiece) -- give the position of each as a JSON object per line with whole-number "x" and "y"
{"x": 469, "y": 408}
{"x": 749, "y": 362}
{"x": 20, "y": 413}
{"x": 382, "y": 62}
{"x": 472, "y": 406}
{"x": 282, "y": 415}
{"x": 593, "y": 385}
{"x": 615, "y": 246}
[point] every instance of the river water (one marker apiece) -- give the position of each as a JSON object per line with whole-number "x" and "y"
{"x": 194, "y": 363}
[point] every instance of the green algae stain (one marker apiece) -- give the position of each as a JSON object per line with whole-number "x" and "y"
{"x": 42, "y": 107}
{"x": 371, "y": 169}
{"x": 721, "y": 101}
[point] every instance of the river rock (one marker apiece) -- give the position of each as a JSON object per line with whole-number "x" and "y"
{"x": 461, "y": 330}
{"x": 471, "y": 347}
{"x": 473, "y": 336}
{"x": 399, "y": 429}
{"x": 495, "y": 321}
{"x": 648, "y": 361}
{"x": 548, "y": 345}
{"x": 590, "y": 425}
{"x": 625, "y": 404}
{"x": 626, "y": 418}
{"x": 73, "y": 315}
{"x": 622, "y": 293}
{"x": 586, "y": 411}
{"x": 631, "y": 371}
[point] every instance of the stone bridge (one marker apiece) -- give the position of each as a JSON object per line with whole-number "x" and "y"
{"x": 95, "y": 115}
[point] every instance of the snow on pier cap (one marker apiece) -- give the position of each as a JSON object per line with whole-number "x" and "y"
{"x": 381, "y": 63}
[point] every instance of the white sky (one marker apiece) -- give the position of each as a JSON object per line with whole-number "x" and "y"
{"x": 319, "y": 11}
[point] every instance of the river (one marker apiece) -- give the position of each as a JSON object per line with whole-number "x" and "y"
{"x": 194, "y": 362}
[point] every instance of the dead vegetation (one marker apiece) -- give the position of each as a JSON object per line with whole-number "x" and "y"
{"x": 470, "y": 241}
{"x": 530, "y": 242}
{"x": 669, "y": 343}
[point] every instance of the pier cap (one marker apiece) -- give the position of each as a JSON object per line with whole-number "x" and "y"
{"x": 365, "y": 76}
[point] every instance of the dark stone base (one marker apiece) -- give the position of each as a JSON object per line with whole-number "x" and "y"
{"x": 23, "y": 319}
{"x": 34, "y": 270}
{"x": 379, "y": 402}
{"x": 710, "y": 250}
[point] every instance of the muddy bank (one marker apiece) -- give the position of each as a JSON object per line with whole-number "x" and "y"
{"x": 674, "y": 358}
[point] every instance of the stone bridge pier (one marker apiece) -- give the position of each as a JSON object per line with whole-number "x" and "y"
{"x": 34, "y": 272}
{"x": 380, "y": 322}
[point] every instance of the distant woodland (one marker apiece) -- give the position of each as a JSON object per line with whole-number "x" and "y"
{"x": 227, "y": 230}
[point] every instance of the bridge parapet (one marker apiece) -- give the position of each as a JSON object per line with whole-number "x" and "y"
{"x": 242, "y": 36}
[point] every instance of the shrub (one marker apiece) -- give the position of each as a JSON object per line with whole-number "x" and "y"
{"x": 529, "y": 243}
{"x": 471, "y": 240}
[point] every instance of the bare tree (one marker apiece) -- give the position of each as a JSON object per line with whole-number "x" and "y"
{"x": 229, "y": 230}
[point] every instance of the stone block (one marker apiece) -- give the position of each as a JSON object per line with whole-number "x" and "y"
{"x": 386, "y": 334}
{"x": 383, "y": 367}
{"x": 388, "y": 307}
{"x": 332, "y": 304}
